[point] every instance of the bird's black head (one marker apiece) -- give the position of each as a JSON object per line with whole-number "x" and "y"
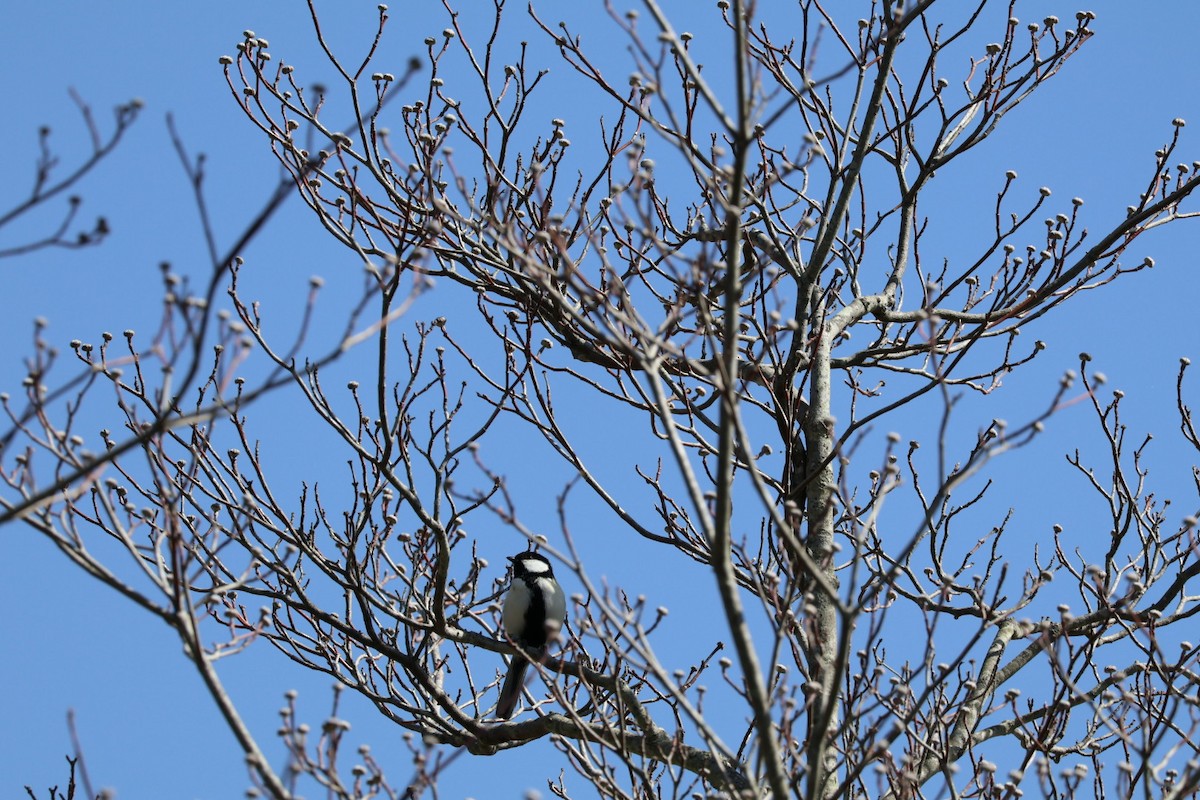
{"x": 531, "y": 565}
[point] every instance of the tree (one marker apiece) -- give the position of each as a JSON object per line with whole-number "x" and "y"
{"x": 746, "y": 344}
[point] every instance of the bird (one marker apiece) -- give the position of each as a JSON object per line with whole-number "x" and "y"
{"x": 535, "y": 609}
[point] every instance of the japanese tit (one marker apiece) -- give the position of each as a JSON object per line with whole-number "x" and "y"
{"x": 534, "y": 611}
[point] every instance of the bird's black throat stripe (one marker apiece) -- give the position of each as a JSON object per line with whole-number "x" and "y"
{"x": 534, "y": 633}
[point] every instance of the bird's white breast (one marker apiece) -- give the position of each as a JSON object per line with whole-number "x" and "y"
{"x": 520, "y": 598}
{"x": 556, "y": 601}
{"x": 515, "y": 605}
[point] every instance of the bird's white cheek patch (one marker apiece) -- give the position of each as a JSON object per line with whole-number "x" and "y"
{"x": 532, "y": 565}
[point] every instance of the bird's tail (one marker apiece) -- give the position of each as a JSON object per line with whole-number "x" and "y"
{"x": 510, "y": 692}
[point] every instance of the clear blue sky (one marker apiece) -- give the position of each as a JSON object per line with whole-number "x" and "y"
{"x": 147, "y": 728}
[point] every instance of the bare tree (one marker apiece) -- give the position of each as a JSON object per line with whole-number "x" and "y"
{"x": 735, "y": 272}
{"x": 51, "y": 182}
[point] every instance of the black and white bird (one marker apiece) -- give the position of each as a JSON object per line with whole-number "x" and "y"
{"x": 534, "y": 611}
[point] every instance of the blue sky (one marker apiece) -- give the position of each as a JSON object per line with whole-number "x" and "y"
{"x": 147, "y": 728}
